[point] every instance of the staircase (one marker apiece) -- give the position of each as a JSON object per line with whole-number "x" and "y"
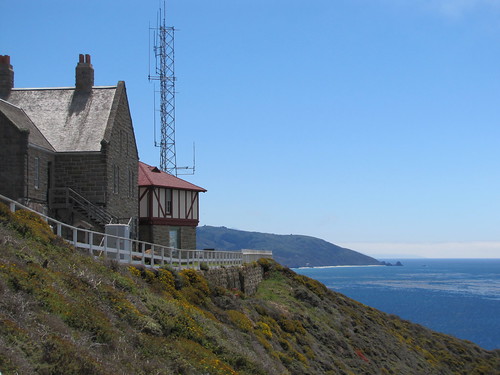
{"x": 67, "y": 198}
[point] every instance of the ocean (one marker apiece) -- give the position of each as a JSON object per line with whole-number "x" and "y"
{"x": 460, "y": 297}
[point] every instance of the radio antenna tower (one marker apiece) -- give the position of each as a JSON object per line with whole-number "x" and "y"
{"x": 163, "y": 49}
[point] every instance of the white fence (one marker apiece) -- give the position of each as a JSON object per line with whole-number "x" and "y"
{"x": 126, "y": 250}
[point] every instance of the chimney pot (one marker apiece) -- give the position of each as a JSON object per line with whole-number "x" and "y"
{"x": 84, "y": 74}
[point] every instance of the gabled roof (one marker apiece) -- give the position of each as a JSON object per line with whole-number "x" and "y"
{"x": 20, "y": 120}
{"x": 152, "y": 176}
{"x": 69, "y": 119}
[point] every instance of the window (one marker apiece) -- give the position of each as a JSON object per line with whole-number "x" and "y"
{"x": 116, "y": 179}
{"x": 127, "y": 143}
{"x": 130, "y": 182}
{"x": 36, "y": 174}
{"x": 168, "y": 199}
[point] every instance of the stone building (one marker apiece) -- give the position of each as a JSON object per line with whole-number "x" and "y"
{"x": 168, "y": 208}
{"x": 69, "y": 151}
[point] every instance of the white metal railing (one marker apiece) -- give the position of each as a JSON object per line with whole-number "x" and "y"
{"x": 250, "y": 256}
{"x": 135, "y": 252}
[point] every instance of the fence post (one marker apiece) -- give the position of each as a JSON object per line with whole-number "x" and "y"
{"x": 91, "y": 242}
{"x": 106, "y": 245}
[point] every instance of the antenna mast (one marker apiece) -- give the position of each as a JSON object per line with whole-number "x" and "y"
{"x": 163, "y": 49}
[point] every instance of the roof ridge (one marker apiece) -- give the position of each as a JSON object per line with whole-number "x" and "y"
{"x": 28, "y": 118}
{"x": 58, "y": 88}
{"x": 9, "y": 103}
{"x": 158, "y": 179}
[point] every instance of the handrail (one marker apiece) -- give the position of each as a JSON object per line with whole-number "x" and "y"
{"x": 135, "y": 252}
{"x": 93, "y": 211}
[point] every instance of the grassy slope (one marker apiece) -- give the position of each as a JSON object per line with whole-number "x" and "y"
{"x": 289, "y": 250}
{"x": 62, "y": 312}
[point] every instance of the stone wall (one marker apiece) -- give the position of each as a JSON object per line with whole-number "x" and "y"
{"x": 157, "y": 234}
{"x": 85, "y": 173}
{"x": 37, "y": 182}
{"x": 160, "y": 234}
{"x": 188, "y": 238}
{"x": 13, "y": 144}
{"x": 245, "y": 278}
{"x": 122, "y": 161}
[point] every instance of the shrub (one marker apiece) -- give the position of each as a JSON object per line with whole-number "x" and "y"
{"x": 204, "y": 266}
{"x": 5, "y": 214}
{"x": 202, "y": 358}
{"x": 196, "y": 280}
{"x": 313, "y": 285}
{"x": 291, "y": 326}
{"x": 266, "y": 264}
{"x": 62, "y": 357}
{"x": 166, "y": 280}
{"x": 240, "y": 320}
{"x": 265, "y": 329}
{"x": 29, "y": 224}
{"x": 134, "y": 271}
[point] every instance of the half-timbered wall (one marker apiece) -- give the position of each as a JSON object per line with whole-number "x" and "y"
{"x": 164, "y": 203}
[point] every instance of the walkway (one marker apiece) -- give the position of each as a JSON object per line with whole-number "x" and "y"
{"x": 134, "y": 252}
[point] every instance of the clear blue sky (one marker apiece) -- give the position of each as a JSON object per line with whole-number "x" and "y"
{"x": 373, "y": 124}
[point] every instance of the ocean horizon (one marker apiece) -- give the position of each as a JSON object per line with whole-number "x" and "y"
{"x": 459, "y": 297}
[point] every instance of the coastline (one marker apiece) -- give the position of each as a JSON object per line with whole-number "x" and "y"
{"x": 344, "y": 266}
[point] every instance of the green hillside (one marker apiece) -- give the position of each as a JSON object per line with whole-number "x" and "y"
{"x": 63, "y": 312}
{"x": 289, "y": 250}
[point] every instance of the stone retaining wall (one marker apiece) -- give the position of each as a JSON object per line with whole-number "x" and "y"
{"x": 245, "y": 278}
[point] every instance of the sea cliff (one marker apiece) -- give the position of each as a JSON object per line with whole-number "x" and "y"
{"x": 63, "y": 312}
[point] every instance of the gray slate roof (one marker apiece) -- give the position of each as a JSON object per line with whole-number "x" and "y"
{"x": 70, "y": 120}
{"x": 19, "y": 118}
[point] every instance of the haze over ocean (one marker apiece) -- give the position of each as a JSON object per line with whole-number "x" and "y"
{"x": 460, "y": 297}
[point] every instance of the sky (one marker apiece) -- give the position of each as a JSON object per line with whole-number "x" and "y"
{"x": 372, "y": 124}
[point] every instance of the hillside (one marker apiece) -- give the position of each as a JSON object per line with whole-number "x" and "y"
{"x": 288, "y": 250}
{"x": 62, "y": 312}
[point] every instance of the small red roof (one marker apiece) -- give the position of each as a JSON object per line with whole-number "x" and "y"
{"x": 152, "y": 176}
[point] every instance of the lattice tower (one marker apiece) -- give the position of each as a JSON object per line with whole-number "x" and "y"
{"x": 163, "y": 49}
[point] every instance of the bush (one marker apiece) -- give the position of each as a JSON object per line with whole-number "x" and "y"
{"x": 240, "y": 320}
{"x": 196, "y": 280}
{"x": 62, "y": 357}
{"x": 265, "y": 329}
{"x": 204, "y": 266}
{"x": 29, "y": 224}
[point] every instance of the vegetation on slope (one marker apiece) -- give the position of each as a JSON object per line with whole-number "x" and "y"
{"x": 289, "y": 250}
{"x": 62, "y": 312}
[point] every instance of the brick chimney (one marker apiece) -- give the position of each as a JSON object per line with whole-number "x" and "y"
{"x": 84, "y": 74}
{"x": 6, "y": 76}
